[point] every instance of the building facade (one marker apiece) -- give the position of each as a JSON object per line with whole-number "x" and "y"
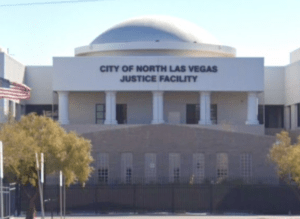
{"x": 161, "y": 98}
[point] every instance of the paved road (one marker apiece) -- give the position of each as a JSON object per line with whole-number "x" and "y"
{"x": 174, "y": 217}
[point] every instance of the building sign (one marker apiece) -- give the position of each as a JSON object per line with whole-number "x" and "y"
{"x": 149, "y": 73}
{"x": 146, "y": 69}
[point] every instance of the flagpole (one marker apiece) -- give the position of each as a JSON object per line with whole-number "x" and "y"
{"x": 1, "y": 178}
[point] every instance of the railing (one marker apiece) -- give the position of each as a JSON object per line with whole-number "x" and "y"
{"x": 9, "y": 194}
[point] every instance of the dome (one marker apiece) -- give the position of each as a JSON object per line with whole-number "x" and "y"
{"x": 156, "y": 29}
{"x": 156, "y": 36}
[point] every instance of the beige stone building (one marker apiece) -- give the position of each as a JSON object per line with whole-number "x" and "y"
{"x": 164, "y": 101}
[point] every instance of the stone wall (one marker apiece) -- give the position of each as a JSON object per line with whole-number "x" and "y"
{"x": 165, "y": 139}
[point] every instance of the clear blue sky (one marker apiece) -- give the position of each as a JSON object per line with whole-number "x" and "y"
{"x": 256, "y": 28}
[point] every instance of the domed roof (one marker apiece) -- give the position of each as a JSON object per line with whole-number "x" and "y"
{"x": 156, "y": 29}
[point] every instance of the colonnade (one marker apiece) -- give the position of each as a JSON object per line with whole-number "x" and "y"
{"x": 157, "y": 107}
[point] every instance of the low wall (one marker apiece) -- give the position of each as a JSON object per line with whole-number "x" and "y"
{"x": 250, "y": 129}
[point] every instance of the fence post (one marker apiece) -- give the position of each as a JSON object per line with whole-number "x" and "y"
{"x": 16, "y": 200}
{"x": 173, "y": 198}
{"x": 57, "y": 205}
{"x": 9, "y": 201}
{"x": 211, "y": 197}
{"x": 134, "y": 198}
{"x": 19, "y": 199}
{"x": 96, "y": 199}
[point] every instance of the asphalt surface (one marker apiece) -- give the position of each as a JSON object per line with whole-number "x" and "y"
{"x": 191, "y": 216}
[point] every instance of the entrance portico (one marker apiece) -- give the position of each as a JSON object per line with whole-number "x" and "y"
{"x": 212, "y": 109}
{"x": 222, "y": 90}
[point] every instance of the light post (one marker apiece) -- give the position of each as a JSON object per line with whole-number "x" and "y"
{"x": 40, "y": 189}
{"x": 60, "y": 193}
{"x": 64, "y": 197}
{"x": 1, "y": 179}
{"x": 42, "y": 184}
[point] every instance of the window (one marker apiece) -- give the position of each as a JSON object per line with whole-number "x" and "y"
{"x": 193, "y": 113}
{"x": 222, "y": 165}
{"x": 11, "y": 107}
{"x": 23, "y": 109}
{"x": 174, "y": 168}
{"x": 150, "y": 167}
{"x": 246, "y": 166}
{"x": 126, "y": 167}
{"x": 102, "y": 167}
{"x": 48, "y": 110}
{"x": 198, "y": 167}
{"x": 213, "y": 114}
{"x": 100, "y": 113}
{"x": 55, "y": 112}
{"x": 274, "y": 116}
{"x": 121, "y": 111}
{"x": 260, "y": 115}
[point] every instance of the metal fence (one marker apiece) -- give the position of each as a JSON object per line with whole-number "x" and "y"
{"x": 212, "y": 196}
{"x": 9, "y": 197}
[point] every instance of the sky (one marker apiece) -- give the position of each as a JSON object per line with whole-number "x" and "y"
{"x": 34, "y": 31}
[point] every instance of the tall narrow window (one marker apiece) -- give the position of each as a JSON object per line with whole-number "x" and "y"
{"x": 55, "y": 111}
{"x": 100, "y": 113}
{"x": 246, "y": 166}
{"x": 10, "y": 107}
{"x": 192, "y": 113}
{"x": 121, "y": 111}
{"x": 174, "y": 168}
{"x": 214, "y": 113}
{"x": 222, "y": 165}
{"x": 198, "y": 167}
{"x": 102, "y": 167}
{"x": 260, "y": 115}
{"x": 126, "y": 167}
{"x": 150, "y": 168}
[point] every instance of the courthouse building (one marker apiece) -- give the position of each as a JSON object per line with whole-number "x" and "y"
{"x": 161, "y": 98}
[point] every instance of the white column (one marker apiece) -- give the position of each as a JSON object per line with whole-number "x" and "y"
{"x": 14, "y": 109}
{"x": 160, "y": 97}
{"x": 110, "y": 108}
{"x": 63, "y": 107}
{"x": 252, "y": 109}
{"x": 205, "y": 108}
{"x": 158, "y": 107}
{"x": 113, "y": 107}
{"x": 3, "y": 110}
{"x": 154, "y": 108}
{"x": 107, "y": 108}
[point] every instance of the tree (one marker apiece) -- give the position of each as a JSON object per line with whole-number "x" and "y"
{"x": 286, "y": 157}
{"x": 62, "y": 151}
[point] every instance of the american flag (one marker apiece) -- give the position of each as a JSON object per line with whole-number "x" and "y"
{"x": 13, "y": 91}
